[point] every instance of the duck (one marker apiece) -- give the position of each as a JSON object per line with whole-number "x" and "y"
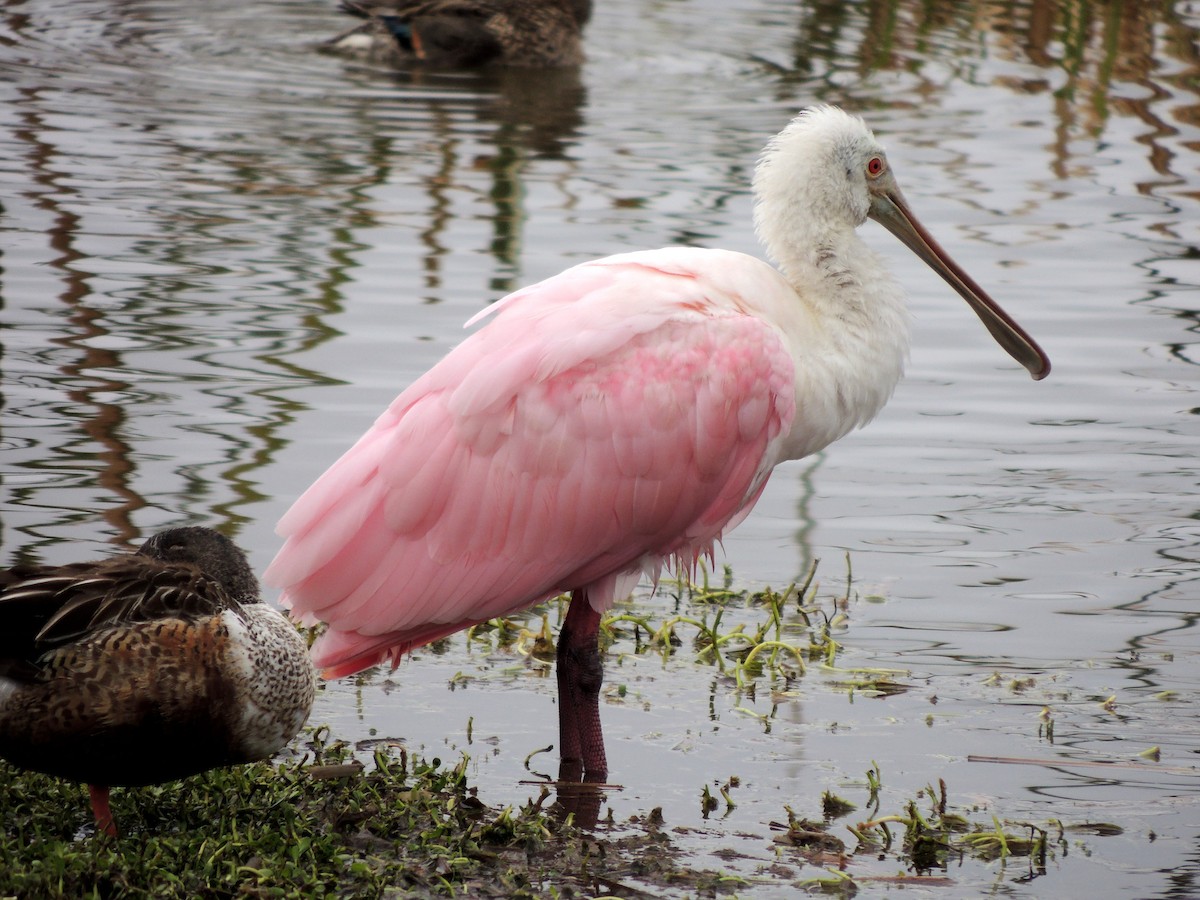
{"x": 147, "y": 667}
{"x": 465, "y": 34}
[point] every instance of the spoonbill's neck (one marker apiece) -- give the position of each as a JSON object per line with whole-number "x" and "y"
{"x": 850, "y": 364}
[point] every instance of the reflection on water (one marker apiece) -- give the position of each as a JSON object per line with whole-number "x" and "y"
{"x": 199, "y": 233}
{"x": 223, "y": 254}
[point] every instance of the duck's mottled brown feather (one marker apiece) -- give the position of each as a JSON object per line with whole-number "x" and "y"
{"x": 45, "y": 607}
{"x": 467, "y": 33}
{"x": 147, "y": 667}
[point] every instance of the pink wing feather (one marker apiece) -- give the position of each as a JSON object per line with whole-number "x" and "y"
{"x": 617, "y": 415}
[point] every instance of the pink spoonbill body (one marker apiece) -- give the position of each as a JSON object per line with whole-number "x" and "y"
{"x": 620, "y": 415}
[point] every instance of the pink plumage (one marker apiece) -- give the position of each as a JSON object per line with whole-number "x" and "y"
{"x": 614, "y": 417}
{"x": 580, "y": 438}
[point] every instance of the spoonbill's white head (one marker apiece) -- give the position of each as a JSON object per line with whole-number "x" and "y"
{"x": 822, "y": 177}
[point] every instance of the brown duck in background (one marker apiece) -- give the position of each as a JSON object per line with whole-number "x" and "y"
{"x": 456, "y": 34}
{"x": 146, "y": 667}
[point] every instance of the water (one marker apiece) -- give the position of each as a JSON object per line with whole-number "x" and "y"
{"x": 224, "y": 253}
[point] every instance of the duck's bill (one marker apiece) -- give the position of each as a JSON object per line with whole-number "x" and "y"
{"x": 892, "y": 212}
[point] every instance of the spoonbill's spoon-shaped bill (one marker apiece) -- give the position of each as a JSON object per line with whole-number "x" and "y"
{"x": 620, "y": 415}
{"x": 890, "y": 210}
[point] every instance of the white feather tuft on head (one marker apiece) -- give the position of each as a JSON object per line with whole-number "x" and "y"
{"x": 810, "y": 179}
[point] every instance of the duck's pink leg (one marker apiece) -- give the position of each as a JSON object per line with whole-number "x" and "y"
{"x": 100, "y": 809}
{"x": 580, "y": 674}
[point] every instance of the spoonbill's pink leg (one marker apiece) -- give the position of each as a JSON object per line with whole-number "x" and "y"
{"x": 100, "y": 809}
{"x": 580, "y": 675}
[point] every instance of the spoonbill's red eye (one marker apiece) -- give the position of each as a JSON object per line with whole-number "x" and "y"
{"x": 875, "y": 166}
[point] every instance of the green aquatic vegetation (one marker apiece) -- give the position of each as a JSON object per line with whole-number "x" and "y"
{"x": 867, "y": 683}
{"x": 932, "y": 834}
{"x": 995, "y": 843}
{"x": 874, "y": 783}
{"x": 834, "y": 807}
{"x": 746, "y": 635}
{"x": 1046, "y": 725}
{"x": 709, "y": 802}
{"x": 812, "y": 836}
{"x": 775, "y": 633}
{"x": 833, "y": 882}
{"x": 326, "y": 822}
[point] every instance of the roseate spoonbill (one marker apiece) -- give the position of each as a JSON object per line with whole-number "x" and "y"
{"x": 614, "y": 417}
{"x": 146, "y": 667}
{"x": 458, "y": 34}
